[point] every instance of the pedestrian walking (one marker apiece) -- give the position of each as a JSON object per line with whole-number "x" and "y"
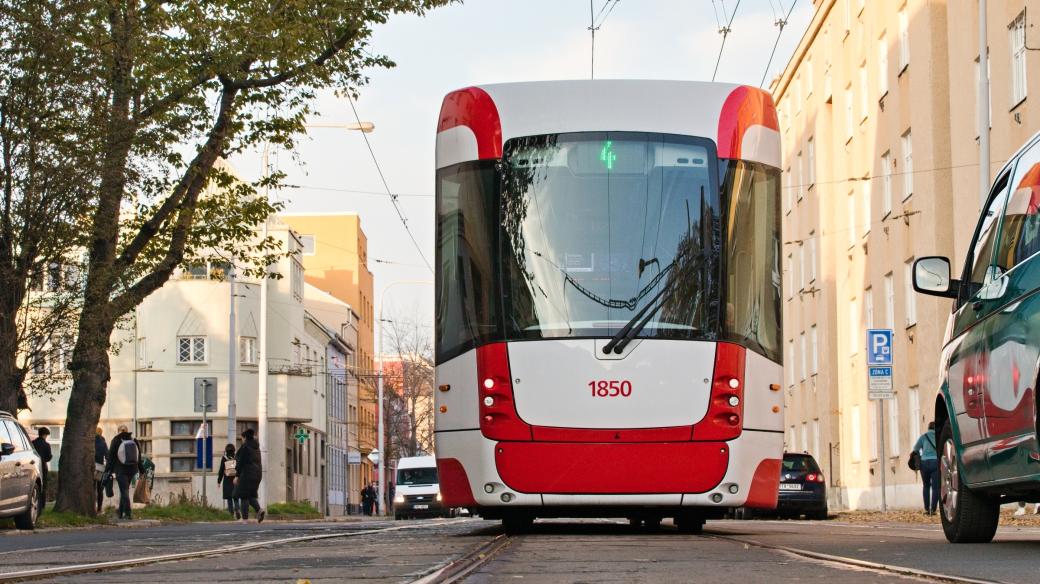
{"x": 925, "y": 447}
{"x": 100, "y": 462}
{"x": 249, "y": 473}
{"x": 368, "y": 498}
{"x": 226, "y": 478}
{"x": 43, "y": 448}
{"x": 364, "y": 500}
{"x": 1022, "y": 509}
{"x": 124, "y": 462}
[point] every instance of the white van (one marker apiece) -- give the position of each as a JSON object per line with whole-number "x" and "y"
{"x": 417, "y": 492}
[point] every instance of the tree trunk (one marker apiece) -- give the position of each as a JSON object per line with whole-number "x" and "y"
{"x": 91, "y": 372}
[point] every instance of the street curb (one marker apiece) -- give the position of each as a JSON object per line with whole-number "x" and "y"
{"x": 142, "y": 523}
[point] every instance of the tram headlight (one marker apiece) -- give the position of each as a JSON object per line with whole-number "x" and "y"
{"x": 734, "y": 382}
{"x": 489, "y": 488}
{"x": 717, "y": 497}
{"x": 733, "y": 489}
{"x": 734, "y": 401}
{"x": 507, "y": 497}
{"x": 489, "y": 401}
{"x": 489, "y": 383}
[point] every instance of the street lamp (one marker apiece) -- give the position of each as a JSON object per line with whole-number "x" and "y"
{"x": 261, "y": 406}
{"x": 383, "y": 459}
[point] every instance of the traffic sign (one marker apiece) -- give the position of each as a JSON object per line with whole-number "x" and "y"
{"x": 879, "y": 383}
{"x": 879, "y": 346}
{"x": 353, "y": 458}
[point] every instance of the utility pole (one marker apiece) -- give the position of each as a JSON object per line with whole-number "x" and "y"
{"x": 882, "y": 458}
{"x": 983, "y": 105}
{"x": 261, "y": 405}
{"x": 232, "y": 406}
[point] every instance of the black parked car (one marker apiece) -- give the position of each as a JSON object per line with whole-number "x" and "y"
{"x": 802, "y": 488}
{"x": 21, "y": 484}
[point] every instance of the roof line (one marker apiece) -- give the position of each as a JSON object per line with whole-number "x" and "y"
{"x": 808, "y": 37}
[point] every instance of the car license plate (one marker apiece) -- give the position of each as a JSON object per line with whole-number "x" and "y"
{"x": 790, "y": 487}
{"x": 422, "y": 507}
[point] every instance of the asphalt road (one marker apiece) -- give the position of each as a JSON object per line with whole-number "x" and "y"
{"x": 554, "y": 552}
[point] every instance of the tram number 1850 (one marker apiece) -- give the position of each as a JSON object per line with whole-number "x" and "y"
{"x": 610, "y": 388}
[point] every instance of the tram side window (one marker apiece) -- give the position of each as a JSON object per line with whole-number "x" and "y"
{"x": 752, "y": 308}
{"x": 466, "y": 216}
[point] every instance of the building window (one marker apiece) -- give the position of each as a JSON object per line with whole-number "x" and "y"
{"x": 790, "y": 277}
{"x": 890, "y": 301}
{"x": 816, "y": 438}
{"x": 297, "y": 280}
{"x": 788, "y": 190}
{"x": 1018, "y": 59}
{"x": 908, "y": 289}
{"x": 808, "y": 77}
{"x": 868, "y": 306}
{"x": 893, "y": 426}
{"x": 882, "y": 66}
{"x": 805, "y": 436}
{"x": 814, "y": 343}
{"x": 801, "y": 176}
{"x": 851, "y": 208}
{"x": 812, "y": 256}
{"x": 864, "y": 187}
{"x": 904, "y": 39}
{"x": 848, "y": 17}
{"x": 144, "y": 437}
{"x": 247, "y": 350}
{"x": 810, "y": 151}
{"x": 857, "y": 442}
{"x": 191, "y": 349}
{"x": 804, "y": 355}
{"x": 872, "y": 435}
{"x": 801, "y": 267}
{"x": 792, "y": 446}
{"x": 848, "y": 112}
{"x": 886, "y": 184}
{"x": 182, "y": 444}
{"x": 864, "y": 92}
{"x": 790, "y": 362}
{"x": 307, "y": 244}
{"x": 914, "y": 423}
{"x": 908, "y": 164}
{"x": 854, "y": 327}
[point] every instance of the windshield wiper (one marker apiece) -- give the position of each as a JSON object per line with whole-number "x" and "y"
{"x": 619, "y": 341}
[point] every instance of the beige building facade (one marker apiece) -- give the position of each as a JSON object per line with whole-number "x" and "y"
{"x": 878, "y": 116}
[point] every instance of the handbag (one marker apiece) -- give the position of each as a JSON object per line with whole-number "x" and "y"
{"x": 99, "y": 471}
{"x": 915, "y": 461}
{"x": 142, "y": 494}
{"x": 107, "y": 481}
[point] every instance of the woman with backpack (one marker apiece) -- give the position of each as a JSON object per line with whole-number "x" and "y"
{"x": 124, "y": 461}
{"x": 226, "y": 477}
{"x": 929, "y": 465}
{"x": 249, "y": 471}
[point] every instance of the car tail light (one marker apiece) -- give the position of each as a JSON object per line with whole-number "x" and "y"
{"x": 814, "y": 477}
{"x": 498, "y": 417}
{"x": 726, "y": 408}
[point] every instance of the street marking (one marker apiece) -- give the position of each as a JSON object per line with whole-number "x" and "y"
{"x": 118, "y": 564}
{"x": 842, "y": 560}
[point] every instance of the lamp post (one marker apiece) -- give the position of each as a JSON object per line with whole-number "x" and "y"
{"x": 261, "y": 406}
{"x": 379, "y": 396}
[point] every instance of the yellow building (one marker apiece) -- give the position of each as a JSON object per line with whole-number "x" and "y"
{"x": 878, "y": 119}
{"x": 335, "y": 260}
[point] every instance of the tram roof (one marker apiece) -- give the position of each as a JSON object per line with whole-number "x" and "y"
{"x": 475, "y": 121}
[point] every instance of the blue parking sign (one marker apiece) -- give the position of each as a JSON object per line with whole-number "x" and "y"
{"x": 879, "y": 346}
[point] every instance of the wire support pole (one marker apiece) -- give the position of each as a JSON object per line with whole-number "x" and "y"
{"x": 724, "y": 31}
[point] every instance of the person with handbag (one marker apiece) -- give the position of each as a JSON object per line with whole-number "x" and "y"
{"x": 100, "y": 462}
{"x": 226, "y": 478}
{"x": 928, "y": 463}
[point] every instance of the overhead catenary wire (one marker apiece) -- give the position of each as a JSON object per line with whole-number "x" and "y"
{"x": 724, "y": 31}
{"x": 389, "y": 193}
{"x": 353, "y": 191}
{"x": 596, "y": 20}
{"x": 781, "y": 23}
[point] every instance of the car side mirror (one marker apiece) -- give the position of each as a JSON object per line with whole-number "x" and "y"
{"x": 932, "y": 277}
{"x": 6, "y": 449}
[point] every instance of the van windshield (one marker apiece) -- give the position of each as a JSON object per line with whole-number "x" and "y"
{"x": 417, "y": 476}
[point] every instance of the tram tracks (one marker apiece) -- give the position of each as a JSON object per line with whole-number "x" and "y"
{"x": 460, "y": 568}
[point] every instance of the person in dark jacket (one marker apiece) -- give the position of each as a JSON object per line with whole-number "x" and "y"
{"x": 43, "y": 448}
{"x": 368, "y": 498}
{"x": 124, "y": 462}
{"x": 100, "y": 462}
{"x": 228, "y": 482}
{"x": 249, "y": 469}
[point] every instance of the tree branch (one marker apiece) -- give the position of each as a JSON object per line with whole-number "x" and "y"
{"x": 342, "y": 41}
{"x": 173, "y": 97}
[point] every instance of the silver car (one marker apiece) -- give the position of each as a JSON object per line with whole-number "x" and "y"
{"x": 21, "y": 484}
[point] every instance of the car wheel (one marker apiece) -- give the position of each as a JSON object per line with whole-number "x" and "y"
{"x": 967, "y": 516}
{"x": 28, "y": 519}
{"x": 743, "y": 513}
{"x": 398, "y": 516}
{"x": 818, "y": 515}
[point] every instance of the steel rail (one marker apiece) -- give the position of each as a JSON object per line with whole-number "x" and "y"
{"x": 864, "y": 564}
{"x": 458, "y": 569}
{"x": 94, "y": 567}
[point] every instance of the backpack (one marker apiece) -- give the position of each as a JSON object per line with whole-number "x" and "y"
{"x": 229, "y": 467}
{"x": 128, "y": 454}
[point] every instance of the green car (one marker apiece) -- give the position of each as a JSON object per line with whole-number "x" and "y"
{"x": 985, "y": 409}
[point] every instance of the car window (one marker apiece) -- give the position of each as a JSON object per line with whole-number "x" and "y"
{"x": 800, "y": 463}
{"x": 981, "y": 258}
{"x": 5, "y": 435}
{"x": 17, "y": 436}
{"x": 1020, "y": 230}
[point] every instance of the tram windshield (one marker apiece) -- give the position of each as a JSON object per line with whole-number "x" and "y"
{"x": 595, "y": 226}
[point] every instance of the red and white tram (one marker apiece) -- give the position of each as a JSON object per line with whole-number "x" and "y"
{"x": 608, "y": 328}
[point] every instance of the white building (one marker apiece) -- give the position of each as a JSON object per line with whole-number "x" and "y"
{"x": 180, "y": 334}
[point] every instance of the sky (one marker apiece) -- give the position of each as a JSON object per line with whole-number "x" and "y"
{"x": 491, "y": 41}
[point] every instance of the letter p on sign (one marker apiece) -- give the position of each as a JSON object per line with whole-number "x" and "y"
{"x": 879, "y": 347}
